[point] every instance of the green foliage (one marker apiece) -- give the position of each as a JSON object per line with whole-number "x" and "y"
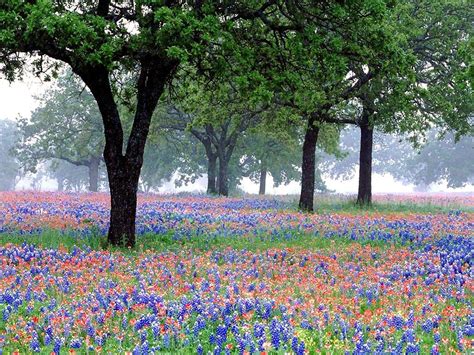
{"x": 243, "y": 64}
{"x": 435, "y": 91}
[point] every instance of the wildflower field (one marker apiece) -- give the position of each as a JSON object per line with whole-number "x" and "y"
{"x": 237, "y": 275}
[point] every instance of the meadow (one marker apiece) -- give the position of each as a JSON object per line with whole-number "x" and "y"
{"x": 237, "y": 275}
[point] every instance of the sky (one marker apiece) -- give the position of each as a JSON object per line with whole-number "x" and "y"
{"x": 18, "y": 100}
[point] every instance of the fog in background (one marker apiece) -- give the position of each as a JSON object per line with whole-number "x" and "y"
{"x": 340, "y": 176}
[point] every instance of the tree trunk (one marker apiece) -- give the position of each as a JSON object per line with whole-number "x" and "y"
{"x": 223, "y": 177}
{"x": 211, "y": 174}
{"x": 364, "y": 195}
{"x": 224, "y": 153}
{"x": 123, "y": 185}
{"x": 211, "y": 155}
{"x": 123, "y": 170}
{"x": 94, "y": 174}
{"x": 308, "y": 167}
{"x": 263, "y": 180}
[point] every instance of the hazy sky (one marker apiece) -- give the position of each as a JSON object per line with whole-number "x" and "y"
{"x": 18, "y": 99}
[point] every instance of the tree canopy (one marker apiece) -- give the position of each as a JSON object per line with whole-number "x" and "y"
{"x": 66, "y": 126}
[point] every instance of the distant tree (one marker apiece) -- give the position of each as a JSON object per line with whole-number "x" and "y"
{"x": 9, "y": 168}
{"x": 171, "y": 154}
{"x": 389, "y": 152}
{"x": 270, "y": 152}
{"x": 319, "y": 183}
{"x": 218, "y": 118}
{"x": 277, "y": 151}
{"x": 440, "y": 159}
{"x": 69, "y": 177}
{"x": 66, "y": 126}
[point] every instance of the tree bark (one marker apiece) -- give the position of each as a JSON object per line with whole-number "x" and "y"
{"x": 308, "y": 167}
{"x": 123, "y": 185}
{"x": 211, "y": 154}
{"x": 263, "y": 180}
{"x": 94, "y": 174}
{"x": 364, "y": 195}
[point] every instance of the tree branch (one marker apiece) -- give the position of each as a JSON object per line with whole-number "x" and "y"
{"x": 153, "y": 76}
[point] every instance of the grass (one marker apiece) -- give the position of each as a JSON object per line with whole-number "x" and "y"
{"x": 168, "y": 243}
{"x": 351, "y": 206}
{"x": 330, "y": 203}
{"x": 307, "y": 241}
{"x": 55, "y": 239}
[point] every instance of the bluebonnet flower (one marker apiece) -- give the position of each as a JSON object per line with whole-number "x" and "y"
{"x": 275, "y": 333}
{"x": 35, "y": 344}
{"x": 412, "y": 348}
{"x": 199, "y": 349}
{"x": 76, "y": 343}
{"x": 57, "y": 345}
{"x": 409, "y": 336}
{"x": 90, "y": 329}
{"x": 258, "y": 330}
{"x": 301, "y": 348}
{"x": 411, "y": 318}
{"x": 166, "y": 340}
{"x": 294, "y": 344}
{"x": 136, "y": 350}
{"x": 427, "y": 326}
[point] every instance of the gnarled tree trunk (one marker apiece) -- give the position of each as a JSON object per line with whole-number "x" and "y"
{"x": 211, "y": 166}
{"x": 224, "y": 153}
{"x": 308, "y": 167}
{"x": 364, "y": 195}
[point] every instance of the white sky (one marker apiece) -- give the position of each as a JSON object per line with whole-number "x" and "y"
{"x": 18, "y": 100}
